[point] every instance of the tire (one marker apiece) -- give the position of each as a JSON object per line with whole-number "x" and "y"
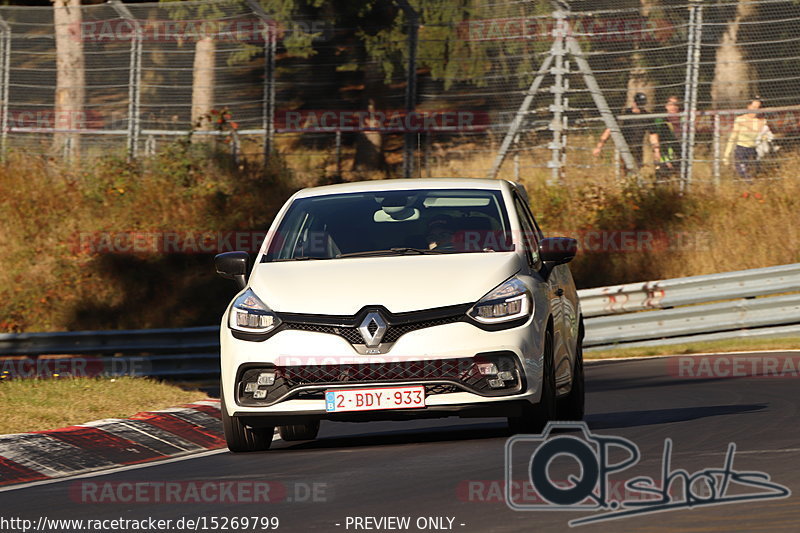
{"x": 241, "y": 437}
{"x": 535, "y": 417}
{"x": 294, "y": 432}
{"x": 572, "y": 407}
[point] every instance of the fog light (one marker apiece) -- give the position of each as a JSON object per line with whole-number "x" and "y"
{"x": 496, "y": 383}
{"x": 260, "y": 394}
{"x": 266, "y": 378}
{"x": 254, "y": 321}
{"x": 487, "y": 369}
{"x": 505, "y": 375}
{"x": 250, "y": 387}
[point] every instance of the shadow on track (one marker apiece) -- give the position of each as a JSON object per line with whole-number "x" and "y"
{"x": 498, "y": 430}
{"x": 625, "y": 419}
{"x": 491, "y": 430}
{"x": 594, "y": 384}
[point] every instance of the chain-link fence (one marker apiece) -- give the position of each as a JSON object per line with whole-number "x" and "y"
{"x": 150, "y": 72}
{"x": 506, "y": 88}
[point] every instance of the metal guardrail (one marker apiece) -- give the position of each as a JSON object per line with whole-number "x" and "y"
{"x": 111, "y": 342}
{"x": 694, "y": 319}
{"x": 692, "y": 290}
{"x": 748, "y": 303}
{"x": 186, "y": 353}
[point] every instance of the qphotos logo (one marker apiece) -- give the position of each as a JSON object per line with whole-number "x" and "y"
{"x": 590, "y": 489}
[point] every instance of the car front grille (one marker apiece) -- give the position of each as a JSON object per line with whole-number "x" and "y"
{"x": 350, "y": 334}
{"x": 353, "y": 336}
{"x": 440, "y": 376}
{"x": 397, "y": 324}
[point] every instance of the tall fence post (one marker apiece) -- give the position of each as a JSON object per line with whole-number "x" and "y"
{"x": 717, "y": 133}
{"x": 427, "y": 158}
{"x": 686, "y": 96}
{"x": 559, "y": 87}
{"x": 5, "y": 69}
{"x": 411, "y": 84}
{"x": 338, "y": 154}
{"x": 134, "y": 78}
{"x": 268, "y": 109}
{"x": 269, "y": 90}
{"x": 695, "y": 64}
{"x": 235, "y": 147}
{"x": 690, "y": 95}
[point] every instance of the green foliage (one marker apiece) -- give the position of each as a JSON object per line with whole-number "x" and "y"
{"x": 456, "y": 43}
{"x": 178, "y": 9}
{"x": 282, "y": 13}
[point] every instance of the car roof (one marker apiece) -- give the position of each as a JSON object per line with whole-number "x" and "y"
{"x": 403, "y": 184}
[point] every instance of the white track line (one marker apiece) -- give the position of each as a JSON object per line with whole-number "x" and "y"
{"x": 642, "y": 357}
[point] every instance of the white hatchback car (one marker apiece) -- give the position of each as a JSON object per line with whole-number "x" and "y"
{"x": 400, "y": 299}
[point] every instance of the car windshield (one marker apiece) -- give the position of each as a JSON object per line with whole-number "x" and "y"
{"x": 386, "y": 223}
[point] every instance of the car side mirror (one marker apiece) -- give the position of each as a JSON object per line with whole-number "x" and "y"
{"x": 558, "y": 250}
{"x": 233, "y": 265}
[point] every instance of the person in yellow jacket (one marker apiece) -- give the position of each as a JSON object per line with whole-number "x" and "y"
{"x": 743, "y": 140}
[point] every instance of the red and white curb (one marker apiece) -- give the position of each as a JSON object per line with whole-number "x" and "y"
{"x": 111, "y": 443}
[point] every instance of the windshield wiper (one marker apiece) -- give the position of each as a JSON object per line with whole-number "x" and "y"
{"x": 299, "y": 258}
{"x": 396, "y": 251}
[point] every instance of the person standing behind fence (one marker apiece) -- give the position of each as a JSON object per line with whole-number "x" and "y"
{"x": 744, "y": 135}
{"x": 669, "y": 134}
{"x": 633, "y": 131}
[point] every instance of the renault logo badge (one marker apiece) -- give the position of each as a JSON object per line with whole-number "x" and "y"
{"x": 374, "y": 322}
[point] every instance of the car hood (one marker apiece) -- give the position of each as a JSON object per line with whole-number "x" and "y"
{"x": 405, "y": 283}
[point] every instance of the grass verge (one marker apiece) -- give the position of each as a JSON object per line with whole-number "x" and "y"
{"x": 732, "y": 345}
{"x": 54, "y": 278}
{"x": 42, "y": 404}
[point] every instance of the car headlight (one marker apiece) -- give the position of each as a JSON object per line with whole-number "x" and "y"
{"x": 509, "y": 301}
{"x": 250, "y": 315}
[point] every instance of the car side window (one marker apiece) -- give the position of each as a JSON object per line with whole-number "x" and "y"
{"x": 532, "y": 219}
{"x": 530, "y": 235}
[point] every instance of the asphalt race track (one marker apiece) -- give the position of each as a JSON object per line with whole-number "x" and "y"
{"x": 449, "y": 474}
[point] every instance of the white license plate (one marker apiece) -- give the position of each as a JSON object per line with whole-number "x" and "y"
{"x": 374, "y": 399}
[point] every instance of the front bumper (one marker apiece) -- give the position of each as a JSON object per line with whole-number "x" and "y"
{"x": 500, "y": 408}
{"x": 459, "y": 393}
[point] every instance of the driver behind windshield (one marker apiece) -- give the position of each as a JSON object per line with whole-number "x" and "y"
{"x": 440, "y": 233}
